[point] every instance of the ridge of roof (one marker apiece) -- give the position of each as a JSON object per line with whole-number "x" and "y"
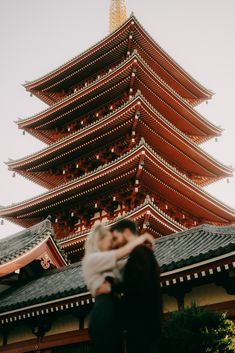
{"x": 210, "y": 228}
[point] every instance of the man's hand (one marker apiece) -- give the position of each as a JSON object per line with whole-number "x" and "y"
{"x": 149, "y": 240}
{"x": 105, "y": 288}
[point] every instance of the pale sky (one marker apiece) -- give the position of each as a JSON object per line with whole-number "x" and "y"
{"x": 38, "y": 36}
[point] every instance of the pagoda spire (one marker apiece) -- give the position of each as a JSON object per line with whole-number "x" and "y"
{"x": 118, "y": 14}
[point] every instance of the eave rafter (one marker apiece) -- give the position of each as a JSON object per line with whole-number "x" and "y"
{"x": 156, "y": 218}
{"x": 108, "y": 81}
{"x": 179, "y": 111}
{"x": 147, "y": 123}
{"x": 87, "y": 74}
{"x": 171, "y": 183}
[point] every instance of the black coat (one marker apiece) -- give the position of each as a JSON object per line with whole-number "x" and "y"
{"x": 142, "y": 300}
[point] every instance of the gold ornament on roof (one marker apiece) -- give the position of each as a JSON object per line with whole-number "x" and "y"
{"x": 118, "y": 14}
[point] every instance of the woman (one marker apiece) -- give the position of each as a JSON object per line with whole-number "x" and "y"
{"x": 101, "y": 268}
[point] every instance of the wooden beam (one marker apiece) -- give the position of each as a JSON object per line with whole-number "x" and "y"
{"x": 224, "y": 307}
{"x": 47, "y": 342}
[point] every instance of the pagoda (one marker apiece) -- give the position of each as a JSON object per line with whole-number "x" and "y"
{"x": 123, "y": 140}
{"x": 121, "y": 127}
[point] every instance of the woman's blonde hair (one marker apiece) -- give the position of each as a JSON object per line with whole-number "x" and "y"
{"x": 98, "y": 232}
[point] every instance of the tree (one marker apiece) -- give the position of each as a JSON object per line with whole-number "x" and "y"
{"x": 195, "y": 330}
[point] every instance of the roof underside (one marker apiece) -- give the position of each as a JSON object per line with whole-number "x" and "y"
{"x": 160, "y": 95}
{"x": 158, "y": 132}
{"x": 158, "y": 223}
{"x": 164, "y": 180}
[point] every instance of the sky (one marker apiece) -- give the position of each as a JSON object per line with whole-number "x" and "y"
{"x": 38, "y": 36}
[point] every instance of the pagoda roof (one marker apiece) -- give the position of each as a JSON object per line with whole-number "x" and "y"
{"x": 169, "y": 68}
{"x": 20, "y": 249}
{"x": 167, "y": 101}
{"x": 159, "y": 132}
{"x": 199, "y": 248}
{"x": 165, "y": 180}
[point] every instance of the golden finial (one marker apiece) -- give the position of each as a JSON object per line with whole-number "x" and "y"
{"x": 118, "y": 14}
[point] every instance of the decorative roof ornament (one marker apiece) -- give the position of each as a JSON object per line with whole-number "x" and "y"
{"x": 118, "y": 14}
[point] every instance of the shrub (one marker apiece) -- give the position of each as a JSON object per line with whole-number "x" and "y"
{"x": 195, "y": 330}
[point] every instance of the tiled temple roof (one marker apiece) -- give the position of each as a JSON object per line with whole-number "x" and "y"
{"x": 51, "y": 285}
{"x": 194, "y": 245}
{"x": 188, "y": 247}
{"x": 16, "y": 245}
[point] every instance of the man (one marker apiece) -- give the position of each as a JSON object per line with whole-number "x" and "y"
{"x": 142, "y": 303}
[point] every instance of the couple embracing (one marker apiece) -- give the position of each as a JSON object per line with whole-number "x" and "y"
{"x": 122, "y": 274}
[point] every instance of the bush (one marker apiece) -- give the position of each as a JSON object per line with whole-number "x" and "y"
{"x": 195, "y": 330}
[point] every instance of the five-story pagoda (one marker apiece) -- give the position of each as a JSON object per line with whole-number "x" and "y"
{"x": 123, "y": 139}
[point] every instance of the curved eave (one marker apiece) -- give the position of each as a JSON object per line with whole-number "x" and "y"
{"x": 175, "y": 139}
{"x": 81, "y": 59}
{"x": 47, "y": 246}
{"x": 157, "y": 218}
{"x": 173, "y": 184}
{"x": 180, "y": 106}
{"x": 105, "y": 82}
{"x": 176, "y": 70}
{"x": 84, "y": 135}
{"x": 160, "y": 56}
{"x": 187, "y": 146}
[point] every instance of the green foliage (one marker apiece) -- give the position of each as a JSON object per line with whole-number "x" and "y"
{"x": 195, "y": 330}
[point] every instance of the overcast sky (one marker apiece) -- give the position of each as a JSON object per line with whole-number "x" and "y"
{"x": 37, "y": 36}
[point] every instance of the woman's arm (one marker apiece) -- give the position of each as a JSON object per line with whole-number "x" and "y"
{"x": 107, "y": 260}
{"x": 127, "y": 249}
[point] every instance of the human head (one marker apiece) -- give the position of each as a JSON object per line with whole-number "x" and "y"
{"x": 99, "y": 239}
{"x": 123, "y": 231}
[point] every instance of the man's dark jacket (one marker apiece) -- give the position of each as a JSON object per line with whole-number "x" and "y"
{"x": 142, "y": 300}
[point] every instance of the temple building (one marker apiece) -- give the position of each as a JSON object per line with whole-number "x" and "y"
{"x": 123, "y": 140}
